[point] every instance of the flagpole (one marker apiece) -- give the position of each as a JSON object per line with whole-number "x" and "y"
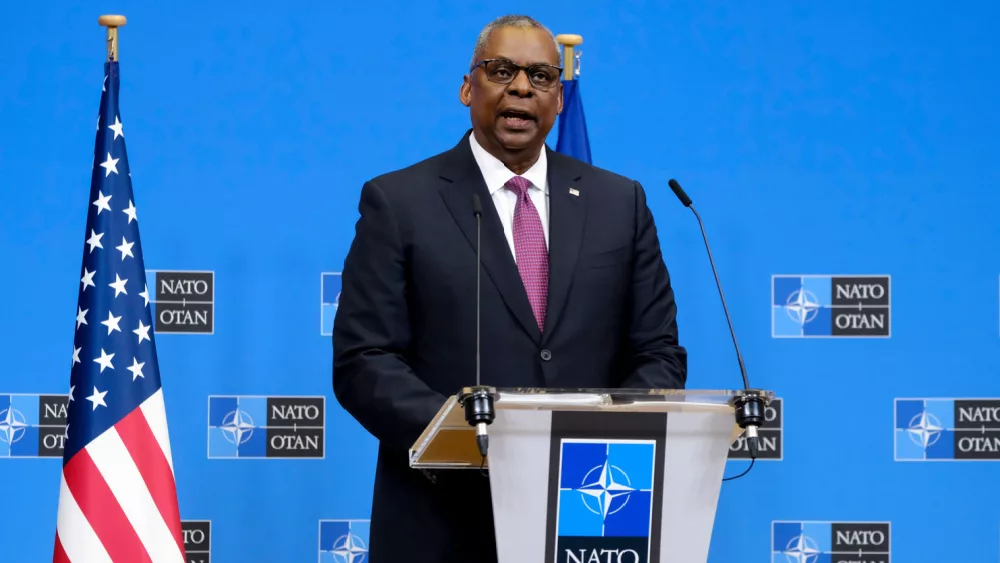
{"x": 573, "y": 139}
{"x": 568, "y": 42}
{"x": 112, "y": 22}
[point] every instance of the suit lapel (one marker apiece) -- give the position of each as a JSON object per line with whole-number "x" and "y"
{"x": 462, "y": 179}
{"x": 567, "y": 206}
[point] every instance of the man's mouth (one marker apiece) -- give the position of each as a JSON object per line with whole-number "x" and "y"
{"x": 516, "y": 119}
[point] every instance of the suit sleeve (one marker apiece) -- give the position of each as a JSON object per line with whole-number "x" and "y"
{"x": 657, "y": 360}
{"x": 371, "y": 333}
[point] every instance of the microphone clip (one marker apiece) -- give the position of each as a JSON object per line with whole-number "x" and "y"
{"x": 750, "y": 405}
{"x": 479, "y": 412}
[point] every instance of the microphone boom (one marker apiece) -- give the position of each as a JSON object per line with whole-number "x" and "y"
{"x": 750, "y": 403}
{"x": 478, "y": 400}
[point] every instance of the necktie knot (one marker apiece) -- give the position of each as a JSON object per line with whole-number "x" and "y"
{"x": 519, "y": 185}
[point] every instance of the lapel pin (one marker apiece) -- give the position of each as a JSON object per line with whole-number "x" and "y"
{"x": 574, "y": 191}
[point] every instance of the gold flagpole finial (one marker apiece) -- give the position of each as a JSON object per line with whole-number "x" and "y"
{"x": 569, "y": 60}
{"x": 112, "y": 23}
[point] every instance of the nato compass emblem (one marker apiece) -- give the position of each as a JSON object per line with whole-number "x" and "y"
{"x": 12, "y": 426}
{"x": 605, "y": 489}
{"x": 343, "y": 541}
{"x": 924, "y": 430}
{"x": 802, "y": 549}
{"x": 237, "y": 427}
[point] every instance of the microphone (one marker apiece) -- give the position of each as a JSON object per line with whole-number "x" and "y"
{"x": 477, "y": 210}
{"x": 478, "y": 400}
{"x": 750, "y": 403}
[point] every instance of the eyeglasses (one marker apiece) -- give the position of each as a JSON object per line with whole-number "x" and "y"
{"x": 502, "y": 71}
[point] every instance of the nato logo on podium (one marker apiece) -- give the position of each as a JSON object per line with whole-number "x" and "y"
{"x": 605, "y": 499}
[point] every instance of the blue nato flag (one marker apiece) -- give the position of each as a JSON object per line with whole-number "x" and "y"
{"x": 573, "y": 139}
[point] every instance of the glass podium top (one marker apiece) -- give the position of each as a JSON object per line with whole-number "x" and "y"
{"x": 616, "y": 399}
{"x": 449, "y": 441}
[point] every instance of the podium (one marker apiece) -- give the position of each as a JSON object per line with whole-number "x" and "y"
{"x": 595, "y": 475}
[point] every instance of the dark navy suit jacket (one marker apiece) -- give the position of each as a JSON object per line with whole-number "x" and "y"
{"x": 405, "y": 330}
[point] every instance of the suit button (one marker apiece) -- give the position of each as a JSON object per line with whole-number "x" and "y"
{"x": 546, "y": 355}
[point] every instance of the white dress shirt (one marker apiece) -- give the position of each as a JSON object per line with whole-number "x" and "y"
{"x": 497, "y": 174}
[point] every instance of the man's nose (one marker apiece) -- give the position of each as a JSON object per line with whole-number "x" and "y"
{"x": 520, "y": 86}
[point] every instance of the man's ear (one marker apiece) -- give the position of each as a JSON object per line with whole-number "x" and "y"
{"x": 560, "y": 107}
{"x": 465, "y": 91}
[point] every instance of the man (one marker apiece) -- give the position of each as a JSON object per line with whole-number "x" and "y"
{"x": 574, "y": 291}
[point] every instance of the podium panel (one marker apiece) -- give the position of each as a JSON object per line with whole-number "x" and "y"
{"x": 607, "y": 476}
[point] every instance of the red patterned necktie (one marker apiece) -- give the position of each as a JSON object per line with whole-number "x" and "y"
{"x": 530, "y": 249}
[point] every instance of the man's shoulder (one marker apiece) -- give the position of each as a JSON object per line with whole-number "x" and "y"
{"x": 411, "y": 175}
{"x": 603, "y": 179}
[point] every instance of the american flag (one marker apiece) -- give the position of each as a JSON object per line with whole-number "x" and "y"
{"x": 117, "y": 496}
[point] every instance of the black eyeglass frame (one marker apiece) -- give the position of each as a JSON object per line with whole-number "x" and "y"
{"x": 518, "y": 68}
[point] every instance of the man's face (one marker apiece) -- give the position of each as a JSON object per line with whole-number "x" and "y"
{"x": 509, "y": 118}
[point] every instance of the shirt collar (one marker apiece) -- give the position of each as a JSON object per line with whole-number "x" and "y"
{"x": 497, "y": 174}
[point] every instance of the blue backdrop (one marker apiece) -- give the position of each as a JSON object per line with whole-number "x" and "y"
{"x": 853, "y": 139}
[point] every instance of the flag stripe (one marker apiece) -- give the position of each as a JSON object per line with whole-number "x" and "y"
{"x": 156, "y": 414}
{"x": 137, "y": 437}
{"x": 80, "y": 527}
{"x": 60, "y": 554}
{"x": 113, "y": 460}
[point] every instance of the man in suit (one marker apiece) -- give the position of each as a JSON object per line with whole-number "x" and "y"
{"x": 574, "y": 291}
